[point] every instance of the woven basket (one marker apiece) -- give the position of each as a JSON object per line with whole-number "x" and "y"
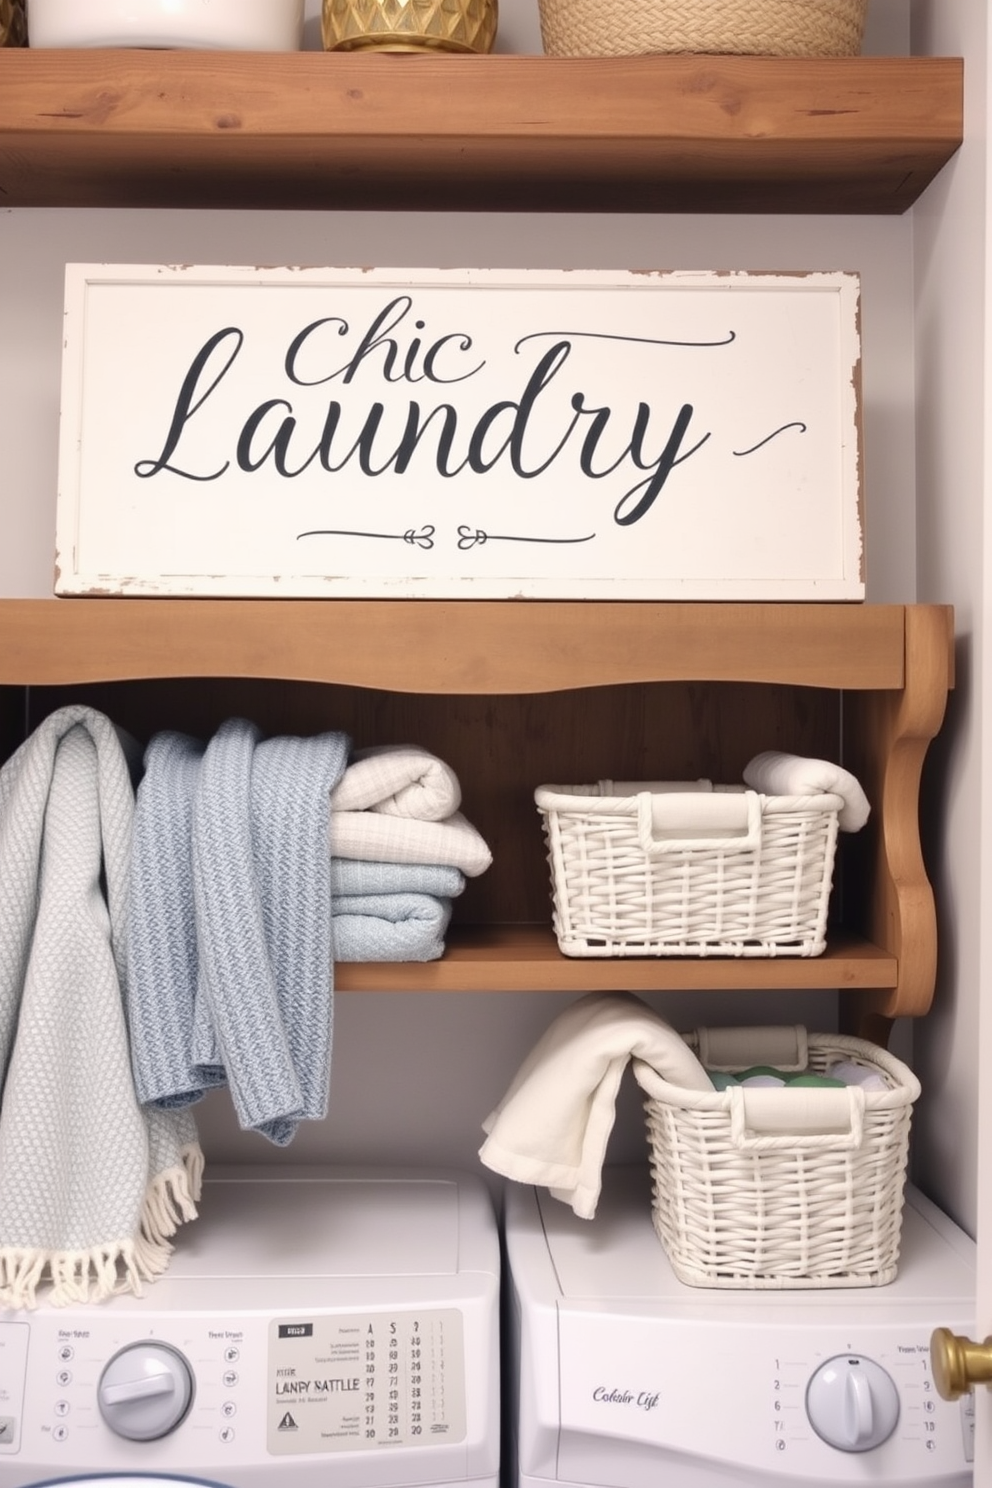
{"x": 771, "y": 28}
{"x": 409, "y": 25}
{"x": 630, "y": 878}
{"x": 781, "y": 1188}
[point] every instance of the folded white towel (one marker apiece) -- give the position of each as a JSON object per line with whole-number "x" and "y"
{"x": 552, "y": 1126}
{"x": 398, "y": 780}
{"x": 776, "y": 774}
{"x": 374, "y": 837}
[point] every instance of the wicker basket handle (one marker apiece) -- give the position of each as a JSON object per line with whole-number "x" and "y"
{"x": 785, "y": 1046}
{"x": 805, "y": 1119}
{"x": 661, "y": 816}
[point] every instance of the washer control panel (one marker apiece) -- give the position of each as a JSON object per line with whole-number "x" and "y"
{"x": 794, "y": 1405}
{"x": 92, "y": 1394}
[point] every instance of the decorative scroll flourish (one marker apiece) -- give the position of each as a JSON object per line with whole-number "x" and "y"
{"x": 726, "y": 340}
{"x": 471, "y": 537}
{"x": 422, "y": 537}
{"x": 796, "y": 424}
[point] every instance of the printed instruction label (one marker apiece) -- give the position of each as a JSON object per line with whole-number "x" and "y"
{"x": 362, "y": 1381}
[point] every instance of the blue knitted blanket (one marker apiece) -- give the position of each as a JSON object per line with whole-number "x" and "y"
{"x": 389, "y": 927}
{"x": 231, "y": 969}
{"x": 92, "y": 1184}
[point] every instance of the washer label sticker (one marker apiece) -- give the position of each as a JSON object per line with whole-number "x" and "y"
{"x": 360, "y": 1382}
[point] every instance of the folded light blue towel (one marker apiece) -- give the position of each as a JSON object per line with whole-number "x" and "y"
{"x": 356, "y": 876}
{"x": 230, "y": 923}
{"x": 390, "y": 927}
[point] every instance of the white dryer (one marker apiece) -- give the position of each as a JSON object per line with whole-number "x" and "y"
{"x": 331, "y": 1327}
{"x": 620, "y": 1376}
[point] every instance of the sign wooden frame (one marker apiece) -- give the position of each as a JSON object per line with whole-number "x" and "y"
{"x": 460, "y": 433}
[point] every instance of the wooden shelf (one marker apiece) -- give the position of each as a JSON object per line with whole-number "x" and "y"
{"x": 309, "y": 130}
{"x": 516, "y": 694}
{"x": 453, "y": 646}
{"x": 513, "y": 958}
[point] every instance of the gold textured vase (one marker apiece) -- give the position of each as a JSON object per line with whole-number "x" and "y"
{"x": 409, "y": 25}
{"x": 13, "y": 27}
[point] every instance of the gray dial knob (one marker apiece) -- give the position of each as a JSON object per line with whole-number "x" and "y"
{"x": 145, "y": 1391}
{"x": 852, "y": 1403}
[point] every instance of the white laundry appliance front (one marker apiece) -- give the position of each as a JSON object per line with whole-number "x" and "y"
{"x": 621, "y": 1376}
{"x": 315, "y": 1327}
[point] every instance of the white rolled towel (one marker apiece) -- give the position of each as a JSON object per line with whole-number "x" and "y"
{"x": 777, "y": 774}
{"x": 398, "y": 780}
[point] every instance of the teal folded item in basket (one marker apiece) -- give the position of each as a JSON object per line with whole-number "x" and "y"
{"x": 764, "y": 1075}
{"x": 389, "y": 927}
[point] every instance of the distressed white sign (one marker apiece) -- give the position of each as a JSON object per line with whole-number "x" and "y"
{"x": 471, "y": 433}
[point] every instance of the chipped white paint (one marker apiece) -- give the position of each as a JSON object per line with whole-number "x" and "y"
{"x": 472, "y": 433}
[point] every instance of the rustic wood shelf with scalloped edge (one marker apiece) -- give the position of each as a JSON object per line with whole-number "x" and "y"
{"x": 523, "y": 133}
{"x": 516, "y": 694}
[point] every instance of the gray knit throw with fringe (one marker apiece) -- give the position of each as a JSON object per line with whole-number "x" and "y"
{"x": 91, "y": 1184}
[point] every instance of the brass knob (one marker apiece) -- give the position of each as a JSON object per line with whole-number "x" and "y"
{"x": 958, "y": 1364}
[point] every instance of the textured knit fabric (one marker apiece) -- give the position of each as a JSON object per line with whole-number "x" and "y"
{"x": 377, "y": 837}
{"x": 163, "y": 981}
{"x": 353, "y": 876}
{"x": 231, "y": 924}
{"x": 91, "y": 1185}
{"x": 390, "y": 927}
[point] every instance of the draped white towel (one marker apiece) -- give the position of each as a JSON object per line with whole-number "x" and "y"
{"x": 552, "y": 1126}
{"x": 775, "y": 773}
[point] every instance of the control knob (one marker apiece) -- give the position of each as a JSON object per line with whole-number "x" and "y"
{"x": 852, "y": 1403}
{"x": 145, "y": 1390}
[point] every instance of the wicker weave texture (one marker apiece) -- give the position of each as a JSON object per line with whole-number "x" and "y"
{"x": 612, "y": 898}
{"x": 409, "y": 25}
{"x": 773, "y": 28}
{"x": 783, "y": 1212}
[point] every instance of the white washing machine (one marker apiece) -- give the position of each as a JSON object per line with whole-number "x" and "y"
{"x": 329, "y": 1327}
{"x": 620, "y": 1376}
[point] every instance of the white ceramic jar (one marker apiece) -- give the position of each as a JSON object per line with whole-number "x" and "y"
{"x": 236, "y": 25}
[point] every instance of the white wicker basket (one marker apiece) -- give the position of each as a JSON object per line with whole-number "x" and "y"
{"x": 780, "y": 1188}
{"x": 688, "y": 873}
